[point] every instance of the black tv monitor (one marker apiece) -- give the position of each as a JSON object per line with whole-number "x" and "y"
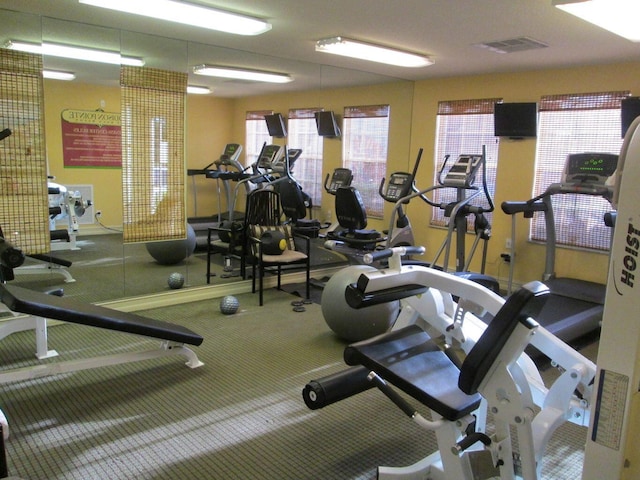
{"x": 327, "y": 124}
{"x": 515, "y": 120}
{"x": 629, "y": 110}
{"x": 276, "y": 125}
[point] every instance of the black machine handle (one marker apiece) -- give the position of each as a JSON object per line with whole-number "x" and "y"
{"x": 527, "y": 208}
{"x": 5, "y": 133}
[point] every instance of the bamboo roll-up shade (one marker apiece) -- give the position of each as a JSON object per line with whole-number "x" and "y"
{"x": 24, "y": 206}
{"x": 153, "y": 159}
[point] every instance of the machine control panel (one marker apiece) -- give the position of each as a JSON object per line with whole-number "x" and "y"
{"x": 341, "y": 178}
{"x": 399, "y": 186}
{"x": 589, "y": 168}
{"x": 463, "y": 172}
{"x": 269, "y": 156}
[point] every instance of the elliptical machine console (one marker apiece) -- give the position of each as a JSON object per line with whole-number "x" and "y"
{"x": 462, "y": 173}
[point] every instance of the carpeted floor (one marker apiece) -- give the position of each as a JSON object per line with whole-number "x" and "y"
{"x": 104, "y": 269}
{"x": 241, "y": 415}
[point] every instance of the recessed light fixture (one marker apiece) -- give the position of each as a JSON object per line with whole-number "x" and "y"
{"x": 373, "y": 53}
{"x": 187, "y": 13}
{"x": 58, "y": 75}
{"x": 76, "y": 53}
{"x": 617, "y": 16}
{"x": 241, "y": 74}
{"x": 196, "y": 90}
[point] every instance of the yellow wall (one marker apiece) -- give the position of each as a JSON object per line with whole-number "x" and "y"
{"x": 208, "y": 129}
{"x": 60, "y": 96}
{"x": 516, "y": 158}
{"x": 213, "y": 122}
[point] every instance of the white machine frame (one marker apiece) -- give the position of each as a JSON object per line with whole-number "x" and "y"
{"x": 612, "y": 441}
{"x": 513, "y": 392}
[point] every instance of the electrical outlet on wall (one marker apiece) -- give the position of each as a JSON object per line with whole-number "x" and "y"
{"x": 507, "y": 243}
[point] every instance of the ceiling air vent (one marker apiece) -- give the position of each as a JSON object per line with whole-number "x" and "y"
{"x": 519, "y": 44}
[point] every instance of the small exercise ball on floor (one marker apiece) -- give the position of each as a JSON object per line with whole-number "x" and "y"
{"x": 176, "y": 280}
{"x": 229, "y": 305}
{"x": 170, "y": 252}
{"x": 349, "y": 323}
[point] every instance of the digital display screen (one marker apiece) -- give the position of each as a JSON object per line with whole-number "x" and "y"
{"x": 603, "y": 165}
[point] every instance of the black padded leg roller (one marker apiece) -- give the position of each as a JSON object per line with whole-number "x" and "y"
{"x": 333, "y": 388}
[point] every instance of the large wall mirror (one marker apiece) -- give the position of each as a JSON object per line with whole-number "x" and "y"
{"x": 104, "y": 268}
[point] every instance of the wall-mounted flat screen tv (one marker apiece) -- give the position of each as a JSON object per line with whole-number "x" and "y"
{"x": 629, "y": 110}
{"x": 327, "y": 124}
{"x": 276, "y": 125}
{"x": 516, "y": 120}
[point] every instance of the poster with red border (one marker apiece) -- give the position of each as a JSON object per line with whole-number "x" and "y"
{"x": 91, "y": 138}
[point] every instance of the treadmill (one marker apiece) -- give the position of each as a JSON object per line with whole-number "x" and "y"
{"x": 575, "y": 307}
{"x": 225, "y": 169}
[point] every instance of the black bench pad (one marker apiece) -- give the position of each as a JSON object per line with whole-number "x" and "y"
{"x": 409, "y": 359}
{"x": 40, "y": 304}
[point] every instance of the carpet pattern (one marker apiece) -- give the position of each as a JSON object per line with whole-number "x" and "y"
{"x": 241, "y": 415}
{"x": 105, "y": 269}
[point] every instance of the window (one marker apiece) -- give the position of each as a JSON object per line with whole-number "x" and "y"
{"x": 303, "y": 134}
{"x": 464, "y": 127}
{"x": 364, "y": 151}
{"x": 575, "y": 123}
{"x": 256, "y": 135}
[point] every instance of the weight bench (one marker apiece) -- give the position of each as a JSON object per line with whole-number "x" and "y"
{"x": 40, "y": 306}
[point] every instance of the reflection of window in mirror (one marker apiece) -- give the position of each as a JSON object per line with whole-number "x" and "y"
{"x": 159, "y": 159}
{"x": 365, "y": 142}
{"x": 303, "y": 134}
{"x": 257, "y": 135}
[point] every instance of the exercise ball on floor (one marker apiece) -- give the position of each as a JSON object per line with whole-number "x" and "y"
{"x": 170, "y": 252}
{"x": 354, "y": 324}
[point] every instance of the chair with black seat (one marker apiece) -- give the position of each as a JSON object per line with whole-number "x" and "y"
{"x": 352, "y": 217}
{"x": 272, "y": 245}
{"x": 262, "y": 208}
{"x": 412, "y": 361}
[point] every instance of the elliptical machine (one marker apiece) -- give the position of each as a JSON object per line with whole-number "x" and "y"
{"x": 460, "y": 179}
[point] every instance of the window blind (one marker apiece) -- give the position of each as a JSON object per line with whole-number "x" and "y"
{"x": 256, "y": 135}
{"x": 153, "y": 160}
{"x": 303, "y": 134}
{"x": 365, "y": 142}
{"x": 575, "y": 123}
{"x": 23, "y": 171}
{"x": 463, "y": 127}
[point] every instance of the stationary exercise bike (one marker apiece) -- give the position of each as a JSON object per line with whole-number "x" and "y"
{"x": 351, "y": 212}
{"x": 442, "y": 340}
{"x": 399, "y": 186}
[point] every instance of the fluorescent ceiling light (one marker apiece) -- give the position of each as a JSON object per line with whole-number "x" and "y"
{"x": 58, "y": 75}
{"x": 373, "y": 53}
{"x": 241, "y": 74}
{"x": 76, "y": 53}
{"x": 188, "y": 14}
{"x": 198, "y": 90}
{"x": 618, "y": 16}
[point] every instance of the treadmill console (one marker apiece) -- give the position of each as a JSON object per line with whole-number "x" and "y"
{"x": 230, "y": 154}
{"x": 463, "y": 173}
{"x": 269, "y": 156}
{"x": 399, "y": 186}
{"x": 589, "y": 168}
